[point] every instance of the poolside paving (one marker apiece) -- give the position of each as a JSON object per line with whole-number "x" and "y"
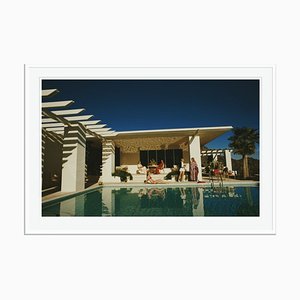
{"x": 205, "y": 183}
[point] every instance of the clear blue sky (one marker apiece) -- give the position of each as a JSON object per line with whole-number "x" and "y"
{"x": 158, "y": 104}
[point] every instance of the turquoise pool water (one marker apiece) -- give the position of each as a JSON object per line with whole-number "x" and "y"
{"x": 159, "y": 201}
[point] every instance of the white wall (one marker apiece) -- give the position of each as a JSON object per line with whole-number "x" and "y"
{"x": 195, "y": 152}
{"x": 73, "y": 167}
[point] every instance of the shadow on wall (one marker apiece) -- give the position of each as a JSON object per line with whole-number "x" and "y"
{"x": 93, "y": 160}
{"x": 52, "y": 166}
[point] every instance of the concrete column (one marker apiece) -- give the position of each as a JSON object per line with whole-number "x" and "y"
{"x": 228, "y": 159}
{"x": 198, "y": 209}
{"x": 79, "y": 205}
{"x": 195, "y": 151}
{"x": 108, "y": 202}
{"x": 73, "y": 168}
{"x": 68, "y": 207}
{"x": 73, "y": 206}
{"x": 108, "y": 162}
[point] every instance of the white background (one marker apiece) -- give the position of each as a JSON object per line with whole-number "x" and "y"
{"x": 144, "y": 33}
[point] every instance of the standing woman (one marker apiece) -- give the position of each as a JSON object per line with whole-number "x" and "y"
{"x": 194, "y": 170}
{"x": 181, "y": 170}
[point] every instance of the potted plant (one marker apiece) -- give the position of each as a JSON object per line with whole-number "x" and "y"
{"x": 123, "y": 174}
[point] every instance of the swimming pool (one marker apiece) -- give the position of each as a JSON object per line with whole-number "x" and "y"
{"x": 159, "y": 201}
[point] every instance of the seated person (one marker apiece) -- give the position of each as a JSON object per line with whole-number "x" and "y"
{"x": 174, "y": 169}
{"x": 232, "y": 173}
{"x": 150, "y": 180}
{"x": 160, "y": 167}
{"x": 207, "y": 169}
{"x": 225, "y": 171}
{"x": 140, "y": 168}
{"x": 174, "y": 173}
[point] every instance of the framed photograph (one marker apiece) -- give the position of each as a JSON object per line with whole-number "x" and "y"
{"x": 149, "y": 150}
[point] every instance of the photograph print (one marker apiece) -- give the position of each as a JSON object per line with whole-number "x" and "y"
{"x": 150, "y": 147}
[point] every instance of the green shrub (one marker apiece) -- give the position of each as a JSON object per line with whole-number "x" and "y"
{"x": 123, "y": 175}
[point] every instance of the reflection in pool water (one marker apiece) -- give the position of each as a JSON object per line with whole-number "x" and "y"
{"x": 160, "y": 201}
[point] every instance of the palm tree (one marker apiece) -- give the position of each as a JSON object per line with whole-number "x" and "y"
{"x": 243, "y": 142}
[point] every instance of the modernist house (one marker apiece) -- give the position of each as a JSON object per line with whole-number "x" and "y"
{"x": 78, "y": 151}
{"x": 127, "y": 148}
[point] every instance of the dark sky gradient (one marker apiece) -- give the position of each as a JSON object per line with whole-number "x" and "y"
{"x": 161, "y": 104}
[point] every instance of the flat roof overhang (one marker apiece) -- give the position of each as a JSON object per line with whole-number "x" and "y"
{"x": 206, "y": 134}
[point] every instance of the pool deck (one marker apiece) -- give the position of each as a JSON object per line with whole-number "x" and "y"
{"x": 205, "y": 183}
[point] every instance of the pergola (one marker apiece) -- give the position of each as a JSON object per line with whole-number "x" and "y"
{"x": 71, "y": 129}
{"x": 215, "y": 152}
